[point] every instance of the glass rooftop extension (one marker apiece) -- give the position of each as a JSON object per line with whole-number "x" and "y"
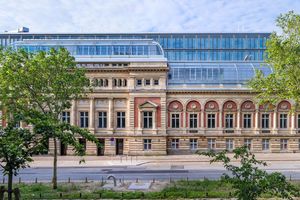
{"x": 99, "y": 50}
{"x": 214, "y": 73}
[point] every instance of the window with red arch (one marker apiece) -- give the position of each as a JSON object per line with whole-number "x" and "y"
{"x": 247, "y": 115}
{"x": 229, "y": 114}
{"x": 283, "y": 116}
{"x": 175, "y": 113}
{"x": 211, "y": 115}
{"x": 193, "y": 109}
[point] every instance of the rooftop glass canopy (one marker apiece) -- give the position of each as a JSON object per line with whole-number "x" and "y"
{"x": 97, "y": 48}
{"x": 214, "y": 73}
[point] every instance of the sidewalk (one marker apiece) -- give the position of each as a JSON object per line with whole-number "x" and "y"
{"x": 131, "y": 161}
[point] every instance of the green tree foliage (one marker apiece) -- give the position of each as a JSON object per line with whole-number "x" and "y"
{"x": 39, "y": 87}
{"x": 248, "y": 180}
{"x": 283, "y": 54}
{"x": 16, "y": 148}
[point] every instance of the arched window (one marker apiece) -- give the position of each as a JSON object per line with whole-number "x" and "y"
{"x": 211, "y": 114}
{"x": 248, "y": 117}
{"x": 193, "y": 109}
{"x": 229, "y": 115}
{"x": 175, "y": 109}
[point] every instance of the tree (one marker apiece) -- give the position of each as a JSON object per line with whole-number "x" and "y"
{"x": 17, "y": 146}
{"x": 247, "y": 179}
{"x": 283, "y": 54}
{"x": 40, "y": 86}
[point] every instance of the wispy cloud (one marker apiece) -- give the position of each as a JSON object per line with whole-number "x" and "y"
{"x": 143, "y": 15}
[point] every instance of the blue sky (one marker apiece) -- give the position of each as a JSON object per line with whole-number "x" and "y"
{"x": 143, "y": 15}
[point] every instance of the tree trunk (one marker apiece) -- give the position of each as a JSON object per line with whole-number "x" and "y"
{"x": 9, "y": 185}
{"x": 54, "y": 178}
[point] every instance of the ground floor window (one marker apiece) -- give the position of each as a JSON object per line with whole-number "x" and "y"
{"x": 248, "y": 143}
{"x": 175, "y": 143}
{"x": 147, "y": 144}
{"x": 229, "y": 144}
{"x": 265, "y": 144}
{"x": 283, "y": 144}
{"x": 211, "y": 143}
{"x": 193, "y": 144}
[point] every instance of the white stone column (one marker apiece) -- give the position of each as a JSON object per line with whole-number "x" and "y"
{"x": 238, "y": 119}
{"x": 293, "y": 124}
{"x": 111, "y": 113}
{"x": 221, "y": 119}
{"x": 202, "y": 120}
{"x": 73, "y": 113}
{"x": 154, "y": 119}
{"x": 275, "y": 120}
{"x": 256, "y": 119}
{"x": 92, "y": 115}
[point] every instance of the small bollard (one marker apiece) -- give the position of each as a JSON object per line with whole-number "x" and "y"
{"x": 153, "y": 181}
{"x": 143, "y": 195}
{"x": 40, "y": 195}
{"x": 206, "y": 194}
{"x": 102, "y": 182}
{"x": 120, "y": 180}
{"x": 19, "y": 179}
{"x": 229, "y": 194}
{"x": 100, "y": 195}
{"x": 80, "y": 195}
{"x": 290, "y": 177}
{"x": 122, "y": 195}
{"x": 36, "y": 180}
{"x": 60, "y": 195}
{"x": 137, "y": 180}
{"x": 86, "y": 180}
{"x": 3, "y": 181}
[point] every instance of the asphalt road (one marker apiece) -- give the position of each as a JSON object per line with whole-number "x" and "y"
{"x": 123, "y": 172}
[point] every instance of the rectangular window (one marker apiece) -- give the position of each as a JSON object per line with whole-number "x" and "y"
{"x": 248, "y": 143}
{"x": 102, "y": 120}
{"x": 211, "y": 143}
{"x": 175, "y": 143}
{"x": 120, "y": 119}
{"x": 147, "y": 119}
{"x": 193, "y": 120}
{"x": 65, "y": 117}
{"x": 147, "y": 144}
{"x": 156, "y": 82}
{"x": 175, "y": 121}
{"x": 84, "y": 119}
{"x": 265, "y": 121}
{"x": 265, "y": 144}
{"x": 247, "y": 120}
{"x": 283, "y": 121}
{"x": 211, "y": 121}
{"x": 229, "y": 121}
{"x": 139, "y": 82}
{"x": 298, "y": 120}
{"x": 193, "y": 144}
{"x": 147, "y": 82}
{"x": 229, "y": 144}
{"x": 283, "y": 144}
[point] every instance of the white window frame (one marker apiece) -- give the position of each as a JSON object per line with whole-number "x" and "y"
{"x": 212, "y": 119}
{"x": 147, "y": 144}
{"x": 175, "y": 143}
{"x": 148, "y": 118}
{"x": 66, "y": 117}
{"x": 248, "y": 143}
{"x": 175, "y": 119}
{"x": 265, "y": 143}
{"x": 84, "y": 119}
{"x": 247, "y": 119}
{"x": 229, "y": 144}
{"x": 211, "y": 143}
{"x": 192, "y": 119}
{"x": 193, "y": 144}
{"x": 103, "y": 118}
{"x": 283, "y": 120}
{"x": 121, "y": 117}
{"x": 284, "y": 144}
{"x": 229, "y": 117}
{"x": 265, "y": 119}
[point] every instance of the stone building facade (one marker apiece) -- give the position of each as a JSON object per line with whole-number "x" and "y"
{"x": 146, "y": 102}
